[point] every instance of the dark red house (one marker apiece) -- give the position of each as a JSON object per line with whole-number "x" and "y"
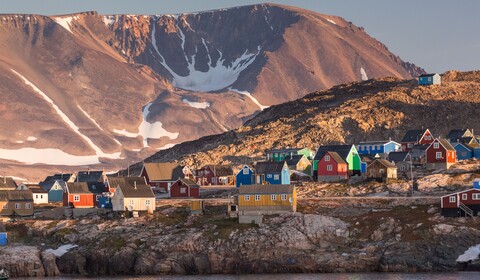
{"x": 414, "y": 137}
{"x": 161, "y": 175}
{"x": 215, "y": 175}
{"x": 332, "y": 168}
{"x": 461, "y": 204}
{"x": 77, "y": 195}
{"x": 440, "y": 154}
{"x": 184, "y": 188}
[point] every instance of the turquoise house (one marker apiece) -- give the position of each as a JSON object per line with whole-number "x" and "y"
{"x": 55, "y": 190}
{"x": 429, "y": 79}
{"x": 279, "y": 155}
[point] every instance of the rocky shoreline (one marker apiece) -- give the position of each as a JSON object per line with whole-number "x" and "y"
{"x": 375, "y": 237}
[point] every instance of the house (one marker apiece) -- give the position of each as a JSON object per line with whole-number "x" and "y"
{"x": 40, "y": 196}
{"x": 96, "y": 182}
{"x": 403, "y": 162}
{"x": 461, "y": 135}
{"x": 254, "y": 201}
{"x": 77, "y": 195}
{"x": 132, "y": 194}
{"x": 279, "y": 155}
{"x": 347, "y": 152}
{"x": 378, "y": 147}
{"x": 461, "y": 203}
{"x": 161, "y": 175}
{"x": 113, "y": 182}
{"x": 7, "y": 184}
{"x": 184, "y": 188}
{"x": 299, "y": 163}
{"x": 274, "y": 173}
{"x": 464, "y": 151}
{"x": 215, "y": 175}
{"x": 3, "y": 235}
{"x": 382, "y": 170}
{"x": 55, "y": 189}
{"x": 418, "y": 154}
{"x": 67, "y": 177}
{"x": 15, "y": 202}
{"x": 440, "y": 154}
{"x": 332, "y": 168}
{"x": 246, "y": 176}
{"x": 414, "y": 137}
{"x": 429, "y": 79}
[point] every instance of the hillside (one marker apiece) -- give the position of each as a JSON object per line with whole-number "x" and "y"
{"x": 370, "y": 110}
{"x": 104, "y": 90}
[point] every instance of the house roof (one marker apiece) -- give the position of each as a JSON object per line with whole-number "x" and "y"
{"x": 376, "y": 142}
{"x": 428, "y": 75}
{"x": 264, "y": 167}
{"x": 188, "y": 183}
{"x": 134, "y": 187}
{"x": 465, "y": 146}
{"x": 89, "y": 176}
{"x": 342, "y": 150}
{"x": 221, "y": 170}
{"x": 419, "y": 147}
{"x": 78, "y": 187}
{"x": 446, "y": 144}
{"x": 49, "y": 184}
{"x": 266, "y": 189}
{"x": 16, "y": 195}
{"x": 36, "y": 188}
{"x": 293, "y": 160}
{"x": 456, "y": 193}
{"x": 286, "y": 150}
{"x": 60, "y": 176}
{"x": 456, "y": 134}
{"x": 7, "y": 183}
{"x": 337, "y": 157}
{"x": 163, "y": 171}
{"x": 114, "y": 181}
{"x": 413, "y": 135}
{"x": 383, "y": 162}
{"x": 397, "y": 156}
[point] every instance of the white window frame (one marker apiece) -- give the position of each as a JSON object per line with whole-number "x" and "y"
{"x": 476, "y": 196}
{"x": 76, "y": 198}
{"x": 284, "y": 197}
{"x": 273, "y": 197}
{"x": 245, "y": 171}
{"x": 257, "y": 197}
{"x": 438, "y": 155}
{"x": 147, "y": 202}
{"x": 276, "y": 177}
{"x": 329, "y": 167}
{"x": 464, "y": 196}
{"x": 18, "y": 206}
{"x": 327, "y": 158}
{"x": 269, "y": 176}
{"x": 28, "y": 205}
{"x": 183, "y": 190}
{"x": 452, "y": 199}
{"x": 246, "y": 197}
{"x": 132, "y": 202}
{"x": 436, "y": 145}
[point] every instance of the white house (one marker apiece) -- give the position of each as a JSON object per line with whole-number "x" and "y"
{"x": 131, "y": 194}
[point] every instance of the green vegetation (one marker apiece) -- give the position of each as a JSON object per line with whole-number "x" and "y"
{"x": 114, "y": 243}
{"x": 61, "y": 233}
{"x": 223, "y": 228}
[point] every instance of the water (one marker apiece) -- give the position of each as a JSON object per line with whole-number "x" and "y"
{"x": 314, "y": 276}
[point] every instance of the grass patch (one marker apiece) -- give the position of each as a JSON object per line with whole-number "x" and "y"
{"x": 61, "y": 233}
{"x": 224, "y": 228}
{"x": 179, "y": 216}
{"x": 114, "y": 243}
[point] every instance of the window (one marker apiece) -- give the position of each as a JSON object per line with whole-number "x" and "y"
{"x": 273, "y": 197}
{"x": 147, "y": 202}
{"x": 284, "y": 197}
{"x": 257, "y": 197}
{"x": 476, "y": 196}
{"x": 132, "y": 202}
{"x": 76, "y": 197}
{"x": 428, "y": 137}
{"x": 436, "y": 145}
{"x": 452, "y": 199}
{"x": 246, "y": 197}
{"x": 378, "y": 147}
{"x": 36, "y": 196}
{"x": 28, "y": 205}
{"x": 464, "y": 196}
{"x": 463, "y": 154}
{"x": 183, "y": 190}
{"x": 269, "y": 176}
{"x": 329, "y": 167}
{"x": 429, "y": 79}
{"x": 409, "y": 145}
{"x": 327, "y": 158}
{"x": 245, "y": 171}
{"x": 17, "y": 206}
{"x": 5, "y": 206}
{"x": 41, "y": 196}
{"x": 438, "y": 155}
{"x": 276, "y": 177}
{"x": 402, "y": 168}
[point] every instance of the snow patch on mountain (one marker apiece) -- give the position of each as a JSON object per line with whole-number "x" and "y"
{"x": 108, "y": 20}
{"x": 364, "y": 75}
{"x": 216, "y": 78}
{"x": 65, "y": 22}
{"x": 332, "y": 21}
{"x": 47, "y": 156}
{"x": 31, "y": 138}
{"x": 148, "y": 130}
{"x": 88, "y": 116}
{"x": 249, "y": 95}
{"x": 471, "y": 254}
{"x": 198, "y": 105}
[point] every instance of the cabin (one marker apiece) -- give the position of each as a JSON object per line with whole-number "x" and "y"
{"x": 416, "y": 137}
{"x": 161, "y": 175}
{"x": 3, "y": 235}
{"x": 16, "y": 203}
{"x": 462, "y": 204}
{"x": 440, "y": 155}
{"x": 382, "y": 170}
{"x": 403, "y": 162}
{"x": 299, "y": 163}
{"x": 55, "y": 190}
{"x": 184, "y": 188}
{"x": 279, "y": 155}
{"x": 273, "y": 173}
{"x": 246, "y": 176}
{"x": 463, "y": 151}
{"x": 40, "y": 196}
{"x": 132, "y": 194}
{"x": 96, "y": 182}
{"x": 215, "y": 175}
{"x": 460, "y": 136}
{"x": 255, "y": 201}
{"x": 332, "y": 168}
{"x": 418, "y": 154}
{"x": 347, "y": 152}
{"x": 78, "y": 195}
{"x": 7, "y": 184}
{"x": 429, "y": 79}
{"x": 378, "y": 147}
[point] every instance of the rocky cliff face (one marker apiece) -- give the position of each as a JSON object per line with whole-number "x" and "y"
{"x": 103, "y": 90}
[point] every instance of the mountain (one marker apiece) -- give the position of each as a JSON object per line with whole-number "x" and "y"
{"x": 376, "y": 109}
{"x": 100, "y": 91}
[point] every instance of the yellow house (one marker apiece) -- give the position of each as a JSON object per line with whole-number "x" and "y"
{"x": 254, "y": 201}
{"x": 131, "y": 194}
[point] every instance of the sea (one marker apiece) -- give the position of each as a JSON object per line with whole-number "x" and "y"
{"x": 467, "y": 275}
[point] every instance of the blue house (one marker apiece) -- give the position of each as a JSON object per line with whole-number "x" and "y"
{"x": 429, "y": 79}
{"x": 3, "y": 235}
{"x": 476, "y": 183}
{"x": 274, "y": 173}
{"x": 476, "y": 152}
{"x": 378, "y": 147}
{"x": 55, "y": 189}
{"x": 246, "y": 176}
{"x": 463, "y": 151}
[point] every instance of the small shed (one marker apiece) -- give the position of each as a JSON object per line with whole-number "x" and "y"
{"x": 381, "y": 170}
{"x": 3, "y": 235}
{"x": 196, "y": 206}
{"x": 430, "y": 79}
{"x": 184, "y": 188}
{"x": 464, "y": 151}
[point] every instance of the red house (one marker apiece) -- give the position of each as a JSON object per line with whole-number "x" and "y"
{"x": 332, "y": 168}
{"x": 184, "y": 188}
{"x": 161, "y": 175}
{"x": 461, "y": 203}
{"x": 414, "y": 137}
{"x": 440, "y": 154}
{"x": 215, "y": 175}
{"x": 77, "y": 195}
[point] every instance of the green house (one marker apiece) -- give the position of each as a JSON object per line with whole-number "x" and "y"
{"x": 278, "y": 155}
{"x": 347, "y": 152}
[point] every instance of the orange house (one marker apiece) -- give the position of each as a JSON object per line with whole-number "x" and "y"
{"x": 77, "y": 195}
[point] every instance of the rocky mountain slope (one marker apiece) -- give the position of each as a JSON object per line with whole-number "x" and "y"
{"x": 370, "y": 110}
{"x": 102, "y": 90}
